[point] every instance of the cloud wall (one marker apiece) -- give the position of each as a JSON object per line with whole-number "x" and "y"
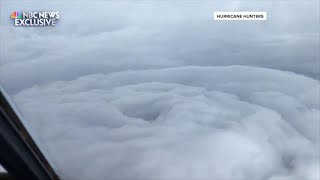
{"x": 158, "y": 90}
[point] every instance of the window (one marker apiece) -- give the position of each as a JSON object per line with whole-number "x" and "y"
{"x": 160, "y": 90}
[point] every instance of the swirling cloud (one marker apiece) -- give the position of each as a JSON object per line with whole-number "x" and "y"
{"x": 158, "y": 90}
{"x": 231, "y": 122}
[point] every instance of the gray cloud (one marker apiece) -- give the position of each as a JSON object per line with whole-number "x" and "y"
{"x": 193, "y": 122}
{"x": 158, "y": 90}
{"x": 109, "y": 37}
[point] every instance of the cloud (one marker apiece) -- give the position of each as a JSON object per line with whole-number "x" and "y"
{"x": 158, "y": 90}
{"x": 109, "y": 36}
{"x": 231, "y": 122}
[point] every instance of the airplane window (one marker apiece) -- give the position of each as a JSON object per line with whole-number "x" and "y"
{"x": 180, "y": 89}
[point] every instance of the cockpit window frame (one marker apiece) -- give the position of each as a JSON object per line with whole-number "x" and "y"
{"x": 19, "y": 154}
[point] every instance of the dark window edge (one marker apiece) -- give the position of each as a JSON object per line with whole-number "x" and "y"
{"x": 19, "y": 154}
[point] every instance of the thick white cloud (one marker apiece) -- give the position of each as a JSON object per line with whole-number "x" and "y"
{"x": 177, "y": 123}
{"x": 109, "y": 36}
{"x": 158, "y": 90}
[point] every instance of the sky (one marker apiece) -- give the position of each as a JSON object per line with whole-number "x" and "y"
{"x": 158, "y": 90}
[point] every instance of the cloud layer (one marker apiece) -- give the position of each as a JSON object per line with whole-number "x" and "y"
{"x": 229, "y": 122}
{"x": 158, "y": 90}
{"x": 109, "y": 36}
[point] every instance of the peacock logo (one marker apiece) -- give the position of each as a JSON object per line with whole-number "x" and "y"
{"x": 16, "y": 15}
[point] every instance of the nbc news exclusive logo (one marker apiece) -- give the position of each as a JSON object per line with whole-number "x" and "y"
{"x": 35, "y": 19}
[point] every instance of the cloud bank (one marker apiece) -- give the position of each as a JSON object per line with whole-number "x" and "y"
{"x": 111, "y": 36}
{"x": 158, "y": 90}
{"x": 231, "y": 122}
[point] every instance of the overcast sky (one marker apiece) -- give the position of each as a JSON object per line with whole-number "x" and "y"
{"x": 158, "y": 90}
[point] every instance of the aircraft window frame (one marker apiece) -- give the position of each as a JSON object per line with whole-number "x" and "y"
{"x": 19, "y": 154}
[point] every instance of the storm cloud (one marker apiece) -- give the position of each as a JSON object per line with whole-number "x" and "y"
{"x": 230, "y": 122}
{"x": 158, "y": 90}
